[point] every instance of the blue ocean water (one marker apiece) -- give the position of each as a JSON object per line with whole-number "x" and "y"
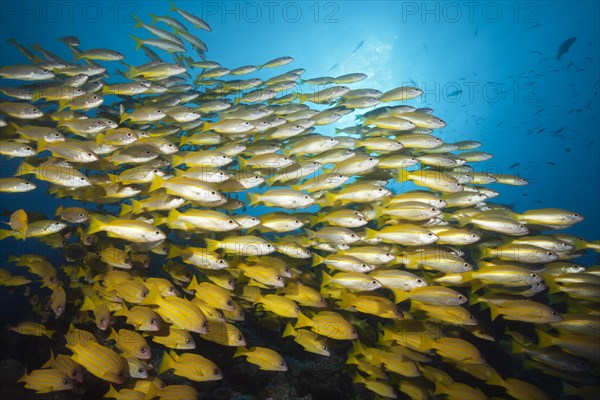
{"x": 490, "y": 69}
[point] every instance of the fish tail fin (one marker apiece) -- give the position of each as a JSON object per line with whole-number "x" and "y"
{"x": 400, "y": 295}
{"x": 517, "y": 347}
{"x": 289, "y": 331}
{"x": 253, "y": 198}
{"x": 494, "y": 310}
{"x": 125, "y": 210}
{"x": 112, "y": 335}
{"x": 317, "y": 259}
{"x": 174, "y": 251}
{"x": 157, "y": 183}
{"x": 154, "y": 18}
{"x": 206, "y": 126}
{"x": 544, "y": 339}
{"x": 139, "y": 23}
{"x": 326, "y": 279}
{"x": 486, "y": 253}
{"x": 112, "y": 393}
{"x": 302, "y": 321}
{"x": 124, "y": 117}
{"x": 174, "y": 215}
{"x": 88, "y": 304}
{"x": 212, "y": 244}
{"x": 347, "y": 299}
{"x": 49, "y": 333}
{"x": 329, "y": 199}
{"x": 25, "y": 169}
{"x": 379, "y": 210}
{"x": 49, "y": 363}
{"x": 62, "y": 104}
{"x": 122, "y": 312}
{"x": 370, "y": 234}
{"x": 495, "y": 379}
{"x": 173, "y": 6}
{"x": 25, "y": 375}
{"x": 240, "y": 351}
{"x": 302, "y": 98}
{"x": 138, "y": 42}
{"x": 595, "y": 245}
{"x": 166, "y": 363}
{"x": 153, "y": 297}
{"x": 96, "y": 225}
{"x": 136, "y": 206}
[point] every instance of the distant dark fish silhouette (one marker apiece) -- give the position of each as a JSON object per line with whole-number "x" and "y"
{"x": 564, "y": 47}
{"x": 358, "y": 46}
{"x": 536, "y": 52}
{"x": 534, "y": 26}
{"x": 551, "y": 163}
{"x": 455, "y": 93}
{"x": 514, "y": 165}
{"x": 333, "y": 67}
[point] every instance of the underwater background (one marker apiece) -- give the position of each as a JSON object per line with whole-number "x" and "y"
{"x": 491, "y": 70}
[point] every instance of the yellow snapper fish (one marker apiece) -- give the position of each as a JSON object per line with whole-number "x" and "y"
{"x": 99, "y": 360}
{"x": 190, "y": 366}
{"x": 266, "y": 359}
{"x": 47, "y": 380}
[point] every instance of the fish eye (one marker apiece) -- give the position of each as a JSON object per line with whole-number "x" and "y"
{"x": 231, "y": 222}
{"x": 278, "y": 277}
{"x": 549, "y": 253}
{"x": 374, "y": 282}
{"x": 575, "y": 215}
{"x": 157, "y": 233}
{"x": 81, "y": 215}
{"x": 129, "y": 134}
{"x": 296, "y": 222}
{"x": 306, "y": 197}
{"x": 58, "y": 308}
{"x": 27, "y": 184}
{"x": 57, "y": 135}
{"x": 216, "y": 371}
{"x": 140, "y": 370}
{"x": 221, "y": 261}
{"x": 470, "y": 316}
{"x": 28, "y": 148}
{"x": 353, "y": 330}
{"x": 269, "y": 246}
{"x": 380, "y": 190}
{"x": 65, "y": 381}
{"x": 419, "y": 280}
{"x": 120, "y": 374}
{"x": 433, "y": 209}
{"x": 554, "y": 313}
{"x": 34, "y": 109}
{"x": 144, "y": 294}
{"x": 89, "y": 154}
{"x": 213, "y": 192}
{"x": 143, "y": 349}
{"x": 533, "y": 275}
{"x": 430, "y": 234}
{"x": 281, "y": 363}
{"x": 205, "y": 323}
{"x": 240, "y": 338}
{"x": 188, "y": 340}
{"x": 460, "y": 297}
{"x": 466, "y": 265}
{"x": 153, "y": 321}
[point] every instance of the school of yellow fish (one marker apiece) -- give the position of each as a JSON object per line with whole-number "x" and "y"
{"x": 188, "y": 149}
